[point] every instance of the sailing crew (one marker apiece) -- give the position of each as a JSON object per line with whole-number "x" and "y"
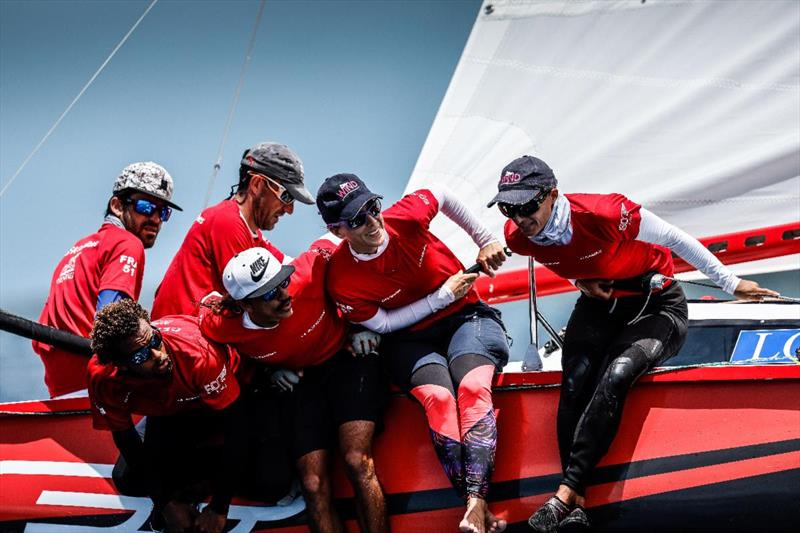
{"x": 104, "y": 267}
{"x": 270, "y": 180}
{"x": 280, "y": 316}
{"x": 442, "y": 344}
{"x": 186, "y": 387}
{"x": 621, "y": 326}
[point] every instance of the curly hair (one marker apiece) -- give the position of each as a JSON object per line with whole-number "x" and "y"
{"x": 113, "y": 324}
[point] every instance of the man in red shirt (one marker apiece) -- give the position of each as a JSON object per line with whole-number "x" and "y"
{"x": 103, "y": 267}
{"x": 442, "y": 344}
{"x": 610, "y": 247}
{"x": 280, "y": 316}
{"x": 270, "y": 180}
{"x": 186, "y": 387}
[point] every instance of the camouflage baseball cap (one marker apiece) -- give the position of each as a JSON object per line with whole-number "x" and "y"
{"x": 149, "y": 178}
{"x": 279, "y": 162}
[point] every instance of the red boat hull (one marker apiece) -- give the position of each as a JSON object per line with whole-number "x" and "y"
{"x": 703, "y": 449}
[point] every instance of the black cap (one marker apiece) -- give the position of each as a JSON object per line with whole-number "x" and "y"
{"x": 341, "y": 196}
{"x": 279, "y": 162}
{"x": 522, "y": 179}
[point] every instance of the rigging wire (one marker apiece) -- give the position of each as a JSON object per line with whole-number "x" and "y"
{"x": 75, "y": 100}
{"x": 229, "y": 121}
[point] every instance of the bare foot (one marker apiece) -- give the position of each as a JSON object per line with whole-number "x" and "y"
{"x": 475, "y": 517}
{"x": 493, "y": 523}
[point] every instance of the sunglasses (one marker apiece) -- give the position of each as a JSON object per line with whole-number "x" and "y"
{"x": 143, "y": 354}
{"x": 526, "y": 209}
{"x": 272, "y": 293}
{"x": 147, "y": 208}
{"x": 277, "y": 189}
{"x": 372, "y": 208}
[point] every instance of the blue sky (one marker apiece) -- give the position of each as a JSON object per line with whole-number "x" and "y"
{"x": 350, "y": 86}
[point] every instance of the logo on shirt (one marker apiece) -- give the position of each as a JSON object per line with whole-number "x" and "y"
{"x": 624, "y": 217}
{"x": 346, "y": 188}
{"x": 199, "y": 219}
{"x": 509, "y": 178}
{"x": 314, "y": 325}
{"x": 258, "y": 268}
{"x": 129, "y": 264}
{"x": 422, "y": 255}
{"x": 344, "y": 308}
{"x": 395, "y": 293}
{"x": 589, "y": 256}
{"x": 76, "y": 249}
{"x": 219, "y": 384}
{"x": 68, "y": 271}
{"x": 423, "y": 197}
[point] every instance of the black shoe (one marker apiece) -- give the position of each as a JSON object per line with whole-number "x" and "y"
{"x": 547, "y": 518}
{"x": 577, "y": 521}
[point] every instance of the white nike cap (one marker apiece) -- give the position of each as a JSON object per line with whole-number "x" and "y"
{"x": 254, "y": 272}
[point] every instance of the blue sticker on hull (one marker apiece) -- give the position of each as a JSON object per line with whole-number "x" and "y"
{"x": 767, "y": 346}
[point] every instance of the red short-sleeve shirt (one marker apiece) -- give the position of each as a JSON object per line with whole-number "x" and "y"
{"x": 202, "y": 377}
{"x": 216, "y": 235}
{"x": 414, "y": 264}
{"x": 603, "y": 246}
{"x": 110, "y": 259}
{"x": 314, "y": 332}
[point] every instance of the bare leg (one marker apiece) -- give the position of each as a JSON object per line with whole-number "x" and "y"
{"x": 316, "y": 483}
{"x": 569, "y": 496}
{"x": 355, "y": 441}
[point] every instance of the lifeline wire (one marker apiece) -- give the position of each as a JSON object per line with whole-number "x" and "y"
{"x": 235, "y": 102}
{"x": 701, "y": 284}
{"x": 75, "y": 100}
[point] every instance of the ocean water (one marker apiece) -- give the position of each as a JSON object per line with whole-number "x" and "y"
{"x": 22, "y": 373}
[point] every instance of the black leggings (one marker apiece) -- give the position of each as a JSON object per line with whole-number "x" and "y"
{"x": 602, "y": 358}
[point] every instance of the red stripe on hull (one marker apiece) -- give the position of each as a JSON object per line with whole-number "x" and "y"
{"x": 686, "y": 479}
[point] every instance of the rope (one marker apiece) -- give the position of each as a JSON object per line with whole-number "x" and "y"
{"x": 75, "y": 100}
{"x": 235, "y": 102}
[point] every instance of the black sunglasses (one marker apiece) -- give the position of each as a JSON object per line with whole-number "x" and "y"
{"x": 526, "y": 209}
{"x": 147, "y": 208}
{"x": 372, "y": 208}
{"x": 143, "y": 354}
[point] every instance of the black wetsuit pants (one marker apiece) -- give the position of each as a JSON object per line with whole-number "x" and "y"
{"x": 606, "y": 349}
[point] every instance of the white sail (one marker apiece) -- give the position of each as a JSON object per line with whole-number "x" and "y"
{"x": 691, "y": 108}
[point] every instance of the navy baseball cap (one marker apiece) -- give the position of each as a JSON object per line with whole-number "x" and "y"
{"x": 342, "y": 196}
{"x": 522, "y": 179}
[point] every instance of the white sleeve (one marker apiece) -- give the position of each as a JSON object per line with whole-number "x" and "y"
{"x": 455, "y": 210}
{"x": 387, "y": 321}
{"x": 656, "y": 230}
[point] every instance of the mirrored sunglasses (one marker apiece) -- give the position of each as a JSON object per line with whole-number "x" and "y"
{"x": 143, "y": 354}
{"x": 526, "y": 209}
{"x": 372, "y": 208}
{"x": 272, "y": 293}
{"x": 147, "y": 208}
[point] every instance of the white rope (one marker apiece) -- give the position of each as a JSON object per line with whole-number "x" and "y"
{"x": 235, "y": 102}
{"x": 75, "y": 100}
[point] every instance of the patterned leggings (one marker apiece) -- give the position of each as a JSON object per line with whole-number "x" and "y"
{"x": 458, "y": 405}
